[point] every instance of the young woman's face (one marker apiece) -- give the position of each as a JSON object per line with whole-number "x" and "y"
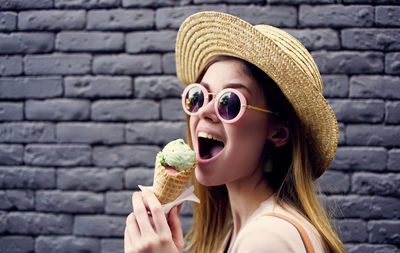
{"x": 229, "y": 153}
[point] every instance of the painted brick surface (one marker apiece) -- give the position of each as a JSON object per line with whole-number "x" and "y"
{"x": 88, "y": 96}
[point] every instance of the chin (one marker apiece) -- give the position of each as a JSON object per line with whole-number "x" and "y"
{"x": 206, "y": 179}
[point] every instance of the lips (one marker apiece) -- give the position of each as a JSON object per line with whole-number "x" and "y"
{"x": 209, "y": 145}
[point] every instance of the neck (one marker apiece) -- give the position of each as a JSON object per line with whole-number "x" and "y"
{"x": 245, "y": 196}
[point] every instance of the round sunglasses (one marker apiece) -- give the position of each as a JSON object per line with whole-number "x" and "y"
{"x": 229, "y": 105}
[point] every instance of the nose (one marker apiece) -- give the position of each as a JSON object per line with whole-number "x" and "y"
{"x": 207, "y": 112}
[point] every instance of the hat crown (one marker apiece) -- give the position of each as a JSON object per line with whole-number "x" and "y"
{"x": 298, "y": 54}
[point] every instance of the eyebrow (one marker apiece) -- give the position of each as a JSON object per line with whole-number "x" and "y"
{"x": 228, "y": 85}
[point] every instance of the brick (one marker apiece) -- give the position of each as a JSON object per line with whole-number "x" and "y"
{"x": 365, "y": 207}
{"x": 369, "y": 1}
{"x": 127, "y": 64}
{"x": 119, "y": 19}
{"x": 27, "y": 178}
{"x": 384, "y": 232}
{"x": 358, "y": 111}
{"x": 365, "y": 183}
{"x": 150, "y": 41}
{"x": 171, "y": 109}
{"x": 39, "y": 223}
{"x": 125, "y": 155}
{"x": 10, "y": 65}
{"x": 333, "y": 182}
{"x": 21, "y": 200}
{"x": 172, "y": 18}
{"x": 27, "y": 132}
{"x": 364, "y": 86}
{"x": 392, "y": 115}
{"x": 91, "y": 133}
{"x": 112, "y": 245}
{"x": 11, "y": 154}
{"x": 281, "y": 16}
{"x": 168, "y": 63}
{"x": 99, "y": 225}
{"x": 98, "y": 86}
{"x": 57, "y": 109}
{"x": 186, "y": 224}
{"x": 57, "y": 155}
{"x": 342, "y": 133}
{"x": 57, "y": 64}
{"x": 90, "y": 179}
{"x": 138, "y": 176}
{"x": 352, "y": 230}
{"x": 373, "y": 135}
{"x": 51, "y": 20}
{"x": 157, "y": 87}
{"x": 301, "y": 1}
{"x": 89, "y": 41}
{"x": 349, "y": 62}
{"x": 8, "y": 22}
{"x": 113, "y": 110}
{"x": 394, "y": 160}
{"x": 87, "y": 4}
{"x": 154, "y": 3}
{"x": 317, "y": 39}
{"x": 11, "y": 111}
{"x": 360, "y": 158}
{"x": 154, "y": 132}
{"x": 327, "y": 15}
{"x": 118, "y": 202}
{"x": 387, "y": 15}
{"x": 392, "y": 63}
{"x": 335, "y": 85}
{"x": 229, "y": 1}
{"x": 23, "y": 4}
{"x": 30, "y": 87}
{"x": 69, "y": 202}
{"x": 3, "y": 222}
{"x": 35, "y": 42}
{"x": 187, "y": 208}
{"x": 372, "y": 248}
{"x": 371, "y": 39}
{"x": 15, "y": 243}
{"x": 66, "y": 244}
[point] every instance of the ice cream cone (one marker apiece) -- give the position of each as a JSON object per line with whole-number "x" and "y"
{"x": 166, "y": 186}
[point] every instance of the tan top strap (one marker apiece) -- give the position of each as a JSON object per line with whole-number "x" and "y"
{"x": 303, "y": 234}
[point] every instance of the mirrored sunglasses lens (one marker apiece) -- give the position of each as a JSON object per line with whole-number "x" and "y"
{"x": 229, "y": 106}
{"x": 194, "y": 99}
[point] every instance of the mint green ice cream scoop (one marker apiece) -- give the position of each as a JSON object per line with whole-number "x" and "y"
{"x": 177, "y": 154}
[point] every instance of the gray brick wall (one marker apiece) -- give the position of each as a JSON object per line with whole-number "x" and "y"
{"x": 88, "y": 96}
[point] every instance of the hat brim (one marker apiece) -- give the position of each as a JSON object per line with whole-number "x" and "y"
{"x": 206, "y": 35}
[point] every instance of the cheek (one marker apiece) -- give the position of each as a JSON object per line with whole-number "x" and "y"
{"x": 249, "y": 138}
{"x": 192, "y": 124}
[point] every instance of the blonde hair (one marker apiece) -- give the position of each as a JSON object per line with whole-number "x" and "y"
{"x": 293, "y": 182}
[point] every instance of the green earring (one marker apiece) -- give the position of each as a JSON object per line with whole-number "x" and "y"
{"x": 268, "y": 165}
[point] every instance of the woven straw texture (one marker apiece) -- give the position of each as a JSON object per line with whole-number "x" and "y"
{"x": 167, "y": 187}
{"x": 206, "y": 35}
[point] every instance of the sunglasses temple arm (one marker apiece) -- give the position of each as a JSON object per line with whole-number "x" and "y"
{"x": 258, "y": 109}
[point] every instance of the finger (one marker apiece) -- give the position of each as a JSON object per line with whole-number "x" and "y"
{"x": 141, "y": 215}
{"x": 176, "y": 227}
{"x": 159, "y": 218}
{"x": 132, "y": 233}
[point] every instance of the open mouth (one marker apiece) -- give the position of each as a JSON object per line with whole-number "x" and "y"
{"x": 209, "y": 146}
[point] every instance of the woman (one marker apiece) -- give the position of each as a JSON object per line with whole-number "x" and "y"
{"x": 262, "y": 133}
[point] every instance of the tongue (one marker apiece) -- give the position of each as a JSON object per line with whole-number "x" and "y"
{"x": 215, "y": 150}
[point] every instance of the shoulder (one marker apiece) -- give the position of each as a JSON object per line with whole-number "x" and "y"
{"x": 269, "y": 233}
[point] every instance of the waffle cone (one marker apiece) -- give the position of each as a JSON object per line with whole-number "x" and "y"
{"x": 166, "y": 186}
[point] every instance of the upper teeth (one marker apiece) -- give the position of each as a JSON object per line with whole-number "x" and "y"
{"x": 208, "y": 136}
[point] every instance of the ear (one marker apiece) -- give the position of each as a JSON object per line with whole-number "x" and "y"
{"x": 280, "y": 136}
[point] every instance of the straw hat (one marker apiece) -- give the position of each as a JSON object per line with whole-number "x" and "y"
{"x": 206, "y": 35}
